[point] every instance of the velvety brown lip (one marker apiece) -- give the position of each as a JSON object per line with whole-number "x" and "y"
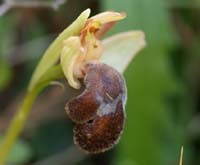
{"x": 99, "y": 111}
{"x": 102, "y": 133}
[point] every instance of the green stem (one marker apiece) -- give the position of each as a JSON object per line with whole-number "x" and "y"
{"x": 17, "y": 125}
{"x": 22, "y": 114}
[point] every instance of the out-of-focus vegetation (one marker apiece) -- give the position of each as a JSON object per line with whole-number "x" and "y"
{"x": 163, "y": 84}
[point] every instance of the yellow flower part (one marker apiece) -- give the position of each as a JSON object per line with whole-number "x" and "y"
{"x": 79, "y": 50}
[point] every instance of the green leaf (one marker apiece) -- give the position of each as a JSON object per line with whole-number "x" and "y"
{"x": 51, "y": 56}
{"x": 20, "y": 153}
{"x": 121, "y": 48}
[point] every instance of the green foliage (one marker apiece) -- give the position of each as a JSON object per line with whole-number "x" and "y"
{"x": 7, "y": 34}
{"x": 5, "y": 47}
{"x": 20, "y": 153}
{"x": 5, "y": 72}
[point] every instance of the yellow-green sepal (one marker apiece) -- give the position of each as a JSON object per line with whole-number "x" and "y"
{"x": 52, "y": 54}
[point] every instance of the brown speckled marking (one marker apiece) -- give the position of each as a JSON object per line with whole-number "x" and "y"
{"x": 99, "y": 111}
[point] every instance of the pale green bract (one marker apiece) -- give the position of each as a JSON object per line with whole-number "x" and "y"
{"x": 121, "y": 48}
{"x": 52, "y": 54}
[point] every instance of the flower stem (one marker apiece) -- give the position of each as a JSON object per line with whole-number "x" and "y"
{"x": 17, "y": 125}
{"x": 22, "y": 114}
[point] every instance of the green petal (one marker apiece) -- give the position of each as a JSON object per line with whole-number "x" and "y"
{"x": 120, "y": 49}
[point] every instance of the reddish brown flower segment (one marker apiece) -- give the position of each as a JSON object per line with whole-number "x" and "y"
{"x": 99, "y": 111}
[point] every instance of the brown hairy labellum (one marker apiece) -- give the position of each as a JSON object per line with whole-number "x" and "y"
{"x": 99, "y": 112}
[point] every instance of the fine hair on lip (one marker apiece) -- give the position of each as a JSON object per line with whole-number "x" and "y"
{"x": 99, "y": 111}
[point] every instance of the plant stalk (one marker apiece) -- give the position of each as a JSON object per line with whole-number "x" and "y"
{"x": 22, "y": 114}
{"x": 17, "y": 125}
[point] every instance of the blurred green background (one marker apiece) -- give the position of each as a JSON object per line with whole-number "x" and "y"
{"x": 163, "y": 81}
